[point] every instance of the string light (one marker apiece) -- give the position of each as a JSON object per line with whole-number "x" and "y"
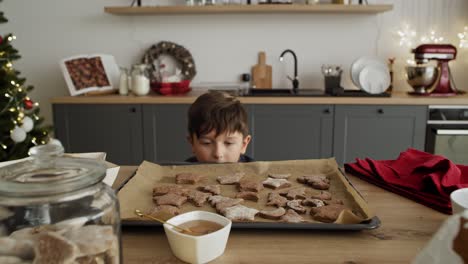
{"x": 7, "y": 95}
{"x": 433, "y": 38}
{"x": 33, "y": 140}
{"x": 9, "y": 65}
{"x": 13, "y": 82}
{"x": 12, "y": 109}
{"x": 20, "y": 90}
{"x": 463, "y": 38}
{"x": 407, "y": 36}
{"x": 36, "y": 104}
{"x": 10, "y": 38}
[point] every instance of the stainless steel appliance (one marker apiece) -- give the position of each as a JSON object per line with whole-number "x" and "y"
{"x": 447, "y": 132}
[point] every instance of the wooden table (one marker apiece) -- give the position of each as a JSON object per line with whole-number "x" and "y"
{"x": 406, "y": 227}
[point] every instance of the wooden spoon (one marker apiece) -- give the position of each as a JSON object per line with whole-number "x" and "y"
{"x": 140, "y": 214}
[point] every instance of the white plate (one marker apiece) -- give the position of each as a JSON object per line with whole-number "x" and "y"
{"x": 374, "y": 80}
{"x": 359, "y": 64}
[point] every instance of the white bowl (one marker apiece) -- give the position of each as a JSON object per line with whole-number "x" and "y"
{"x": 198, "y": 249}
{"x": 459, "y": 200}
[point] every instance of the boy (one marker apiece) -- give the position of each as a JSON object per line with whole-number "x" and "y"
{"x": 218, "y": 129}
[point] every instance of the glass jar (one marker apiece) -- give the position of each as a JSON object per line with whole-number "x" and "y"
{"x": 56, "y": 209}
{"x": 123, "y": 81}
{"x": 140, "y": 79}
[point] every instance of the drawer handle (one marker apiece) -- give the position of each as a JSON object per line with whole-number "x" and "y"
{"x": 326, "y": 111}
{"x": 380, "y": 111}
{"x": 133, "y": 110}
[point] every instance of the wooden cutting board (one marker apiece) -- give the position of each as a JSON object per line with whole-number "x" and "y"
{"x": 261, "y": 73}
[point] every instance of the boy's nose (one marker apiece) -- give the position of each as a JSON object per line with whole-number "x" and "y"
{"x": 218, "y": 153}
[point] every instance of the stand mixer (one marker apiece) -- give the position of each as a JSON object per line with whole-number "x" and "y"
{"x": 442, "y": 53}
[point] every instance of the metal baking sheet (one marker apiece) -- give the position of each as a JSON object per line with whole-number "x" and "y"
{"x": 372, "y": 223}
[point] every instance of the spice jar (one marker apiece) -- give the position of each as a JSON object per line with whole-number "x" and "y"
{"x": 56, "y": 209}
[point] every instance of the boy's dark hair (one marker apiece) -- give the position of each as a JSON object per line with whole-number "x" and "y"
{"x": 217, "y": 111}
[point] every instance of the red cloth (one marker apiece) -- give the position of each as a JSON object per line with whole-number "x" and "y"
{"x": 423, "y": 177}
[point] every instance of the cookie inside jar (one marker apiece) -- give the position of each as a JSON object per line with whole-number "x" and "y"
{"x": 56, "y": 209}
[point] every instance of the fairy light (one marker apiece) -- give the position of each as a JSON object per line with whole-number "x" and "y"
{"x": 9, "y": 65}
{"x": 407, "y": 36}
{"x": 12, "y": 109}
{"x": 33, "y": 140}
{"x": 10, "y": 38}
{"x": 20, "y": 90}
{"x": 7, "y": 95}
{"x": 3, "y": 146}
{"x": 13, "y": 82}
{"x": 432, "y": 38}
{"x": 36, "y": 104}
{"x": 20, "y": 116}
{"x": 411, "y": 62}
{"x": 463, "y": 36}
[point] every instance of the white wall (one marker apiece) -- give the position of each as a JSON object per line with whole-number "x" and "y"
{"x": 223, "y": 46}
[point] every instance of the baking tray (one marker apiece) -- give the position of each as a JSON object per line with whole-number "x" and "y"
{"x": 370, "y": 224}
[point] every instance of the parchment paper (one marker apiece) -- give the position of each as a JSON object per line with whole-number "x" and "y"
{"x": 137, "y": 193}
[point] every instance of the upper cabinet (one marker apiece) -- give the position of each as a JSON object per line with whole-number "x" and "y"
{"x": 243, "y": 9}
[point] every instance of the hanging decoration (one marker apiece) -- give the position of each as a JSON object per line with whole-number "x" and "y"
{"x": 28, "y": 104}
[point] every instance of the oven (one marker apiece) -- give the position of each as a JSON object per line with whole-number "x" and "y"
{"x": 447, "y": 132}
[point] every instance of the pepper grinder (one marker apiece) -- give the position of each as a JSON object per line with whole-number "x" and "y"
{"x": 245, "y": 86}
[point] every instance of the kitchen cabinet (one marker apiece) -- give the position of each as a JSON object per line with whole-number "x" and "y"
{"x": 115, "y": 129}
{"x": 379, "y": 132}
{"x": 165, "y": 133}
{"x": 283, "y": 132}
{"x": 131, "y": 133}
{"x": 247, "y": 9}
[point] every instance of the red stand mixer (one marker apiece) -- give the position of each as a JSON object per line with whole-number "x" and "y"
{"x": 442, "y": 53}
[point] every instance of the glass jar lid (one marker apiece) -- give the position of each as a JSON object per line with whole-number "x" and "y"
{"x": 48, "y": 173}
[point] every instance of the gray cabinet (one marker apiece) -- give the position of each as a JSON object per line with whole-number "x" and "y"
{"x": 283, "y": 132}
{"x": 378, "y": 132}
{"x": 114, "y": 129}
{"x": 165, "y": 133}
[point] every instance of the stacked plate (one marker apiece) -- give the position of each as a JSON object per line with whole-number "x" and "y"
{"x": 370, "y": 74}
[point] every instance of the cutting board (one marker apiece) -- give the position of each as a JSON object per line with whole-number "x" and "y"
{"x": 261, "y": 73}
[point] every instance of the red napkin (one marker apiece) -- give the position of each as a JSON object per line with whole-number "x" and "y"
{"x": 423, "y": 177}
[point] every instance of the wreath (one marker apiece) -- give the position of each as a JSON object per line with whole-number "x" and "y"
{"x": 178, "y": 52}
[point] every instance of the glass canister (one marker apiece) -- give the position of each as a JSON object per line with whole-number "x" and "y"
{"x": 56, "y": 209}
{"x": 140, "y": 79}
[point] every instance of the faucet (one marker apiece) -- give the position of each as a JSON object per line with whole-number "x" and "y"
{"x": 295, "y": 81}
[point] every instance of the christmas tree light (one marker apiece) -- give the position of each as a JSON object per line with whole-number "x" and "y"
{"x": 20, "y": 125}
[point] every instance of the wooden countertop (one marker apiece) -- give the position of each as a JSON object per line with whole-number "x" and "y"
{"x": 397, "y": 98}
{"x": 406, "y": 228}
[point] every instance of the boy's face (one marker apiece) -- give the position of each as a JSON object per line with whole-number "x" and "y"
{"x": 223, "y": 148}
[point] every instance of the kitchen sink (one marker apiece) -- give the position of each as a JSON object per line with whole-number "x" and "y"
{"x": 285, "y": 92}
{"x": 309, "y": 93}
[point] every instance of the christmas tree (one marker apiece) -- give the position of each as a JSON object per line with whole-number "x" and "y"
{"x": 20, "y": 124}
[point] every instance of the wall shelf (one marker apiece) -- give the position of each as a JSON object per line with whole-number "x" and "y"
{"x": 245, "y": 9}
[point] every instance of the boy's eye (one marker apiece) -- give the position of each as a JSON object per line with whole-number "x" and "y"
{"x": 229, "y": 143}
{"x": 205, "y": 142}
